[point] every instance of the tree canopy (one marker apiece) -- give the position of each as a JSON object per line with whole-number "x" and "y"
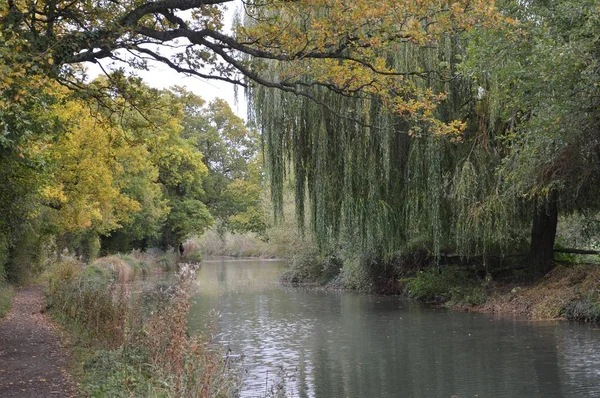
{"x": 77, "y": 173}
{"x": 340, "y": 45}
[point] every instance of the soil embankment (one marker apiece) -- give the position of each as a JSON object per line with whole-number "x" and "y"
{"x": 570, "y": 293}
{"x": 32, "y": 361}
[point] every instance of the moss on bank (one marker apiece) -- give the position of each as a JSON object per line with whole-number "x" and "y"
{"x": 571, "y": 293}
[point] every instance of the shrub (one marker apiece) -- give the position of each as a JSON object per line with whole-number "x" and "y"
{"x": 139, "y": 263}
{"x": 470, "y": 295}
{"x": 191, "y": 245}
{"x": 61, "y": 272}
{"x": 368, "y": 272}
{"x": 193, "y": 257}
{"x": 582, "y": 309}
{"x": 312, "y": 267}
{"x": 168, "y": 260}
{"x": 445, "y": 284}
{"x": 86, "y": 298}
{"x": 120, "y": 269}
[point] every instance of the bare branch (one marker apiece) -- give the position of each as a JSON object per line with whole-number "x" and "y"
{"x": 187, "y": 71}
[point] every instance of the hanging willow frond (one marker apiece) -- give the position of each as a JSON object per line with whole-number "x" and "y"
{"x": 382, "y": 180}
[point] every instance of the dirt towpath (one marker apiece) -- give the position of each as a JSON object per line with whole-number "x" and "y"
{"x": 32, "y": 360}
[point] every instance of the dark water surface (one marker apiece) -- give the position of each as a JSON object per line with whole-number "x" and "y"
{"x": 344, "y": 344}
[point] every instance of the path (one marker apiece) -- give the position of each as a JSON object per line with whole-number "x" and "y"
{"x": 32, "y": 361}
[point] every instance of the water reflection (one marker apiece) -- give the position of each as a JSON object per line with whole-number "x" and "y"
{"x": 342, "y": 344}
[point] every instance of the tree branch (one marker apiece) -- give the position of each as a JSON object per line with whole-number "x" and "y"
{"x": 187, "y": 71}
{"x": 576, "y": 251}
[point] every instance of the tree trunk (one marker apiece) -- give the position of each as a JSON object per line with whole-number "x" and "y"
{"x": 543, "y": 234}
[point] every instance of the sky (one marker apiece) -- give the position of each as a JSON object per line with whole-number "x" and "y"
{"x": 161, "y": 76}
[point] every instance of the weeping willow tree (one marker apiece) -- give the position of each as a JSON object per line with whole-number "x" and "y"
{"x": 382, "y": 183}
{"x": 386, "y": 182}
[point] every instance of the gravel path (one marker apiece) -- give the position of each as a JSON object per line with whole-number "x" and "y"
{"x": 32, "y": 360}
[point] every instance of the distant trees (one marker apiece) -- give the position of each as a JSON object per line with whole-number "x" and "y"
{"x": 231, "y": 153}
{"x": 176, "y": 127}
{"x": 113, "y": 170}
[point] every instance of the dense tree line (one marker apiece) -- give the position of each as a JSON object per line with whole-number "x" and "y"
{"x": 86, "y": 176}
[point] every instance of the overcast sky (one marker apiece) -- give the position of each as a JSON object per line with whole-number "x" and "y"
{"x": 161, "y": 76}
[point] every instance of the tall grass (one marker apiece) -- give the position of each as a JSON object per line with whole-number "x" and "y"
{"x": 211, "y": 244}
{"x": 136, "y": 344}
{"x": 280, "y": 241}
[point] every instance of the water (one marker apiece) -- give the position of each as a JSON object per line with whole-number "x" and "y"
{"x": 344, "y": 344}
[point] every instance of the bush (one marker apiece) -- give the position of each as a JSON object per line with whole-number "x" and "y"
{"x": 139, "y": 263}
{"x": 193, "y": 257}
{"x": 369, "y": 272}
{"x": 470, "y": 295}
{"x": 120, "y": 270}
{"x": 62, "y": 272}
{"x": 582, "y": 309}
{"x": 85, "y": 297}
{"x": 312, "y": 267}
{"x": 445, "y": 285}
{"x": 168, "y": 260}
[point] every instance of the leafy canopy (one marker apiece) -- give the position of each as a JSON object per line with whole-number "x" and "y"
{"x": 341, "y": 45}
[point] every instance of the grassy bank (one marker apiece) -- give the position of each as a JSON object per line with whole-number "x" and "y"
{"x": 568, "y": 292}
{"x": 129, "y": 341}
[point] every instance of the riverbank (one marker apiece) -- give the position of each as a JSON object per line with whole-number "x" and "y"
{"x": 129, "y": 336}
{"x": 569, "y": 291}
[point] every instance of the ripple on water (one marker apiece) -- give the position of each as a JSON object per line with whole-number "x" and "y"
{"x": 334, "y": 344}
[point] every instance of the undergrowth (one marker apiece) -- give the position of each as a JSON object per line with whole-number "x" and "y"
{"x": 135, "y": 344}
{"x": 448, "y": 285}
{"x": 583, "y": 309}
{"x": 312, "y": 267}
{"x": 571, "y": 293}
